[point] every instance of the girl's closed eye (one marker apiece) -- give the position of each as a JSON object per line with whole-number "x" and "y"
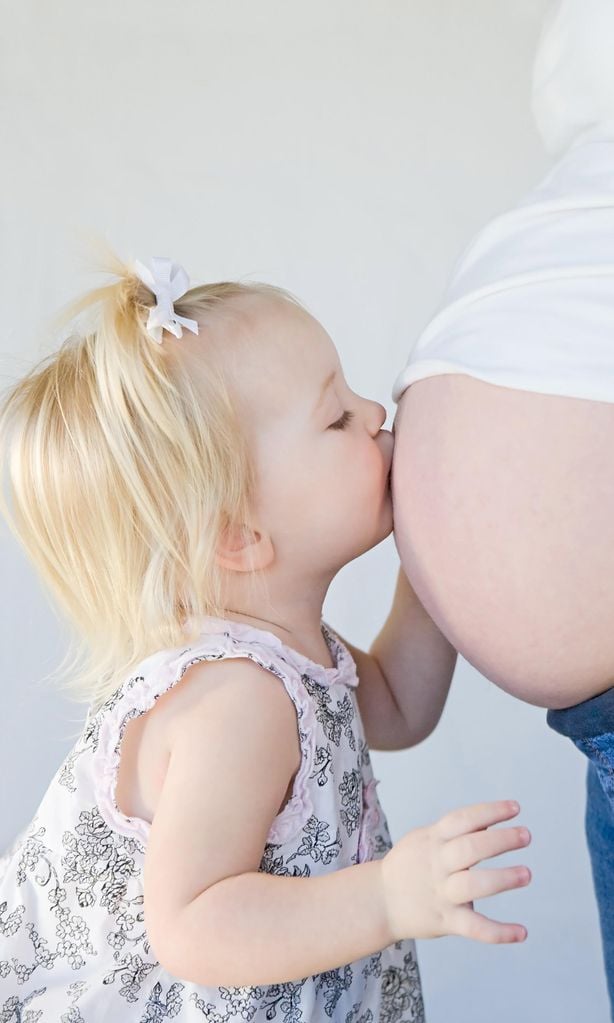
{"x": 343, "y": 422}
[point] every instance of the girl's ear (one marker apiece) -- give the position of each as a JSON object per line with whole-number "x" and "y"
{"x": 241, "y": 549}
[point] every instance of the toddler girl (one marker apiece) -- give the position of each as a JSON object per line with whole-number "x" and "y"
{"x": 213, "y": 846}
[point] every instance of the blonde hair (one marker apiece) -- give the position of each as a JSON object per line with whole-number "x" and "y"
{"x": 122, "y": 475}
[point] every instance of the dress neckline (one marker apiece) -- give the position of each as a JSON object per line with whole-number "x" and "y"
{"x": 343, "y": 668}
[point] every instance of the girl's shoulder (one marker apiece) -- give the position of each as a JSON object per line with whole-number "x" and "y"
{"x": 148, "y": 739}
{"x": 133, "y": 729}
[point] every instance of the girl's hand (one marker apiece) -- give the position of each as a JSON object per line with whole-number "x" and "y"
{"x": 428, "y": 888}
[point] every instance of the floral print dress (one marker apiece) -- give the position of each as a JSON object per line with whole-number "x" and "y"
{"x": 73, "y": 945}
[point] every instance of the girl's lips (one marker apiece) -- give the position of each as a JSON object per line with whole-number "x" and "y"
{"x": 388, "y": 450}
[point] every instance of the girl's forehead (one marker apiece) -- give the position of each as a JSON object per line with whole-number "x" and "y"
{"x": 284, "y": 362}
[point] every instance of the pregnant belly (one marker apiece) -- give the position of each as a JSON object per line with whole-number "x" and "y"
{"x": 504, "y": 521}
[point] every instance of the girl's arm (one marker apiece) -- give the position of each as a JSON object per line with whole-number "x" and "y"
{"x": 210, "y": 915}
{"x": 406, "y": 676}
{"x": 214, "y": 918}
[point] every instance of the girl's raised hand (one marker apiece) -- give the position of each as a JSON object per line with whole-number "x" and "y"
{"x": 428, "y": 887}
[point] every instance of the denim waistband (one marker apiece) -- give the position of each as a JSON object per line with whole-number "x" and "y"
{"x": 585, "y": 720}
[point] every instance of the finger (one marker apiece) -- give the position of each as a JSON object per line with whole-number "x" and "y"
{"x": 467, "y": 850}
{"x": 476, "y": 817}
{"x": 469, "y": 885}
{"x": 469, "y": 924}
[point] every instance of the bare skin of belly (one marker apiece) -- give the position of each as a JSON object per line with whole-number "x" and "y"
{"x": 504, "y": 523}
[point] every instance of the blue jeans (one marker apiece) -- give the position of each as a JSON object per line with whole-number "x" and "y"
{"x": 590, "y": 726}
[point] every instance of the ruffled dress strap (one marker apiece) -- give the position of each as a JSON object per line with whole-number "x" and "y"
{"x": 158, "y": 674}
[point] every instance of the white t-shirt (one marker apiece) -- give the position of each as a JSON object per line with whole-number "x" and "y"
{"x": 531, "y": 302}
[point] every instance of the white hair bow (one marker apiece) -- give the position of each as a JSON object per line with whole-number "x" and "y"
{"x": 169, "y": 281}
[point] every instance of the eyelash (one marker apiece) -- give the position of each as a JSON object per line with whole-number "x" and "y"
{"x": 343, "y": 422}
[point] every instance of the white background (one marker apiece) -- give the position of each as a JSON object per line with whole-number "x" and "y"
{"x": 347, "y": 150}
